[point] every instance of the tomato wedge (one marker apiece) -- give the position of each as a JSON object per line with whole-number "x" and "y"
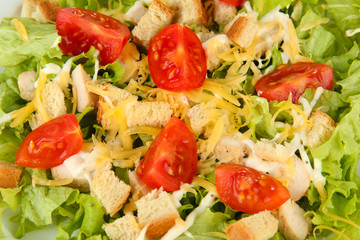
{"x": 51, "y": 144}
{"x": 177, "y": 59}
{"x": 81, "y": 28}
{"x": 233, "y": 2}
{"x": 171, "y": 158}
{"x": 248, "y": 190}
{"x": 294, "y": 79}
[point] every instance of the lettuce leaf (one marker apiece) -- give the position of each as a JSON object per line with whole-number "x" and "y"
{"x": 13, "y": 50}
{"x": 97, "y": 5}
{"x": 205, "y": 225}
{"x": 42, "y": 206}
{"x": 263, "y": 6}
{"x": 340, "y": 157}
{"x": 345, "y": 13}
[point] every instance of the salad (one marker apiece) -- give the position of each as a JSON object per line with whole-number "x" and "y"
{"x": 213, "y": 119}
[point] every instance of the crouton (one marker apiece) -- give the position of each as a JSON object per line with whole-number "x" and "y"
{"x": 229, "y": 150}
{"x": 191, "y": 12}
{"x": 205, "y": 35}
{"x": 10, "y": 175}
{"x": 320, "y": 128}
{"x": 292, "y": 222}
{"x": 125, "y": 228}
{"x": 260, "y": 226}
{"x": 26, "y": 85}
{"x": 110, "y": 190}
{"x": 157, "y": 211}
{"x": 53, "y": 99}
{"x": 155, "y": 114}
{"x": 41, "y": 11}
{"x": 213, "y": 48}
{"x": 114, "y": 98}
{"x": 198, "y": 118}
{"x": 158, "y": 17}
{"x": 135, "y": 13}
{"x": 223, "y": 12}
{"x": 84, "y": 97}
{"x": 242, "y": 31}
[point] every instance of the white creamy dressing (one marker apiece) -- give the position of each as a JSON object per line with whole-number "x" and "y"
{"x": 96, "y": 66}
{"x": 81, "y": 165}
{"x": 51, "y": 68}
{"x": 277, "y": 16}
{"x": 5, "y": 118}
{"x": 308, "y": 107}
{"x": 142, "y": 235}
{"x": 180, "y": 228}
{"x": 65, "y": 68}
{"x": 177, "y": 196}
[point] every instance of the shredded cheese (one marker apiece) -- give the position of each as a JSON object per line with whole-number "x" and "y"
{"x": 21, "y": 29}
{"x": 199, "y": 181}
{"x": 215, "y": 136}
{"x": 143, "y": 129}
{"x": 47, "y": 182}
{"x": 21, "y": 114}
{"x": 38, "y": 97}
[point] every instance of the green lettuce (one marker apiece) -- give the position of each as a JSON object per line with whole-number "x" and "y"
{"x": 13, "y": 50}
{"x": 205, "y": 225}
{"x": 340, "y": 157}
{"x": 264, "y": 6}
{"x": 97, "y": 5}
{"x": 44, "y": 206}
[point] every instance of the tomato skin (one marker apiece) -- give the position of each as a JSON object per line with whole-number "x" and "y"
{"x": 51, "y": 144}
{"x": 233, "y": 2}
{"x": 177, "y": 59}
{"x": 81, "y": 28}
{"x": 248, "y": 190}
{"x": 171, "y": 158}
{"x": 294, "y": 79}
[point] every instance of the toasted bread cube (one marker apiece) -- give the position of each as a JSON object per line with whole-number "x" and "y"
{"x": 110, "y": 190}
{"x": 292, "y": 222}
{"x": 125, "y": 228}
{"x": 10, "y": 175}
{"x": 157, "y": 211}
{"x": 158, "y": 17}
{"x": 260, "y": 226}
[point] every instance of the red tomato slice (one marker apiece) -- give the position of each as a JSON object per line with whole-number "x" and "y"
{"x": 233, "y": 2}
{"x": 248, "y": 190}
{"x": 171, "y": 158}
{"x": 294, "y": 79}
{"x": 81, "y": 28}
{"x": 51, "y": 143}
{"x": 177, "y": 59}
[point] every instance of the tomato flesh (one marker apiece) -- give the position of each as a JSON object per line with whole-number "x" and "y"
{"x": 248, "y": 190}
{"x": 171, "y": 158}
{"x": 177, "y": 60}
{"x": 81, "y": 28}
{"x": 51, "y": 144}
{"x": 233, "y": 2}
{"x": 294, "y": 79}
